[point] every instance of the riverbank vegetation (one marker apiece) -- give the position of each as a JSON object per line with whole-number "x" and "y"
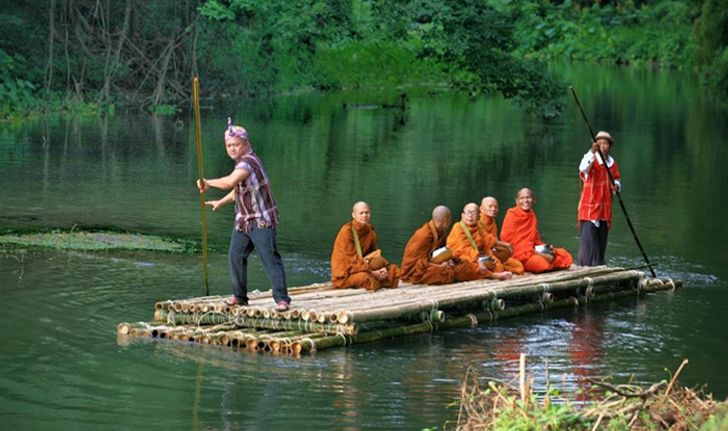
{"x": 95, "y": 56}
{"x": 600, "y": 404}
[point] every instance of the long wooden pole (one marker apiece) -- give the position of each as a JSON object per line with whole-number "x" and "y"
{"x": 611, "y": 180}
{"x": 201, "y": 176}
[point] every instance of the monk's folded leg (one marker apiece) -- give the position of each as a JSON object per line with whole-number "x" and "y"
{"x": 562, "y": 259}
{"x": 437, "y": 274}
{"x": 392, "y": 280}
{"x": 467, "y": 271}
{"x": 498, "y": 265}
{"x": 362, "y": 280}
{"x": 514, "y": 265}
{"x": 537, "y": 264}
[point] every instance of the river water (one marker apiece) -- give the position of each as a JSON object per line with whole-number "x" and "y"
{"x": 61, "y": 364}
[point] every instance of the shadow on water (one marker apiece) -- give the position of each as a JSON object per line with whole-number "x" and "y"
{"x": 60, "y": 357}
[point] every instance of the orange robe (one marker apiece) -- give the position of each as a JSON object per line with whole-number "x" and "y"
{"x": 350, "y": 270}
{"x": 461, "y": 247}
{"x": 490, "y": 227}
{"x": 417, "y": 268}
{"x": 520, "y": 228}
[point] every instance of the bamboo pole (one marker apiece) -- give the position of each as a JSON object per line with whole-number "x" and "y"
{"x": 313, "y": 295}
{"x": 300, "y": 325}
{"x": 201, "y": 176}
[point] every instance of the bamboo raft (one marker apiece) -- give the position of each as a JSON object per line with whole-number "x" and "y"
{"x": 322, "y": 317}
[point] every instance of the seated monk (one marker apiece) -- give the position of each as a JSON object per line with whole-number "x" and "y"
{"x": 469, "y": 243}
{"x": 502, "y": 250}
{"x": 418, "y": 266}
{"x": 520, "y": 228}
{"x": 356, "y": 260}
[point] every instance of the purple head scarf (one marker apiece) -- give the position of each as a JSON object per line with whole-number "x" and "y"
{"x": 235, "y": 131}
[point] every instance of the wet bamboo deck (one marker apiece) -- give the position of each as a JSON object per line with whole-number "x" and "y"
{"x": 322, "y": 317}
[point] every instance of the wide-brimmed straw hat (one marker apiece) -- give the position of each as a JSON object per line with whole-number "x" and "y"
{"x": 604, "y": 135}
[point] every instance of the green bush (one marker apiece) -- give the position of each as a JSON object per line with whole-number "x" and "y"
{"x": 711, "y": 55}
{"x": 659, "y": 34}
{"x": 16, "y": 94}
{"x": 360, "y": 64}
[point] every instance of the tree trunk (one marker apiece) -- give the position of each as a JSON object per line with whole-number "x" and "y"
{"x": 51, "y": 37}
{"x": 112, "y": 60}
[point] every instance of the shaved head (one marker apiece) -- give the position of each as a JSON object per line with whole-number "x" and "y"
{"x": 360, "y": 204}
{"x": 361, "y": 212}
{"x": 471, "y": 207}
{"x": 488, "y": 200}
{"x": 471, "y": 214}
{"x": 524, "y": 190}
{"x": 489, "y": 206}
{"x": 440, "y": 212}
{"x": 525, "y": 199}
{"x": 441, "y": 217}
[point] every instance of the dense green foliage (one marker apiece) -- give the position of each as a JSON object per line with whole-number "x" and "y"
{"x": 625, "y": 33}
{"x": 281, "y": 45}
{"x": 711, "y": 28}
{"x": 16, "y": 93}
{"x": 62, "y": 54}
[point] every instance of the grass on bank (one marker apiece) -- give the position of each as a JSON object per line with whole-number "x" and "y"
{"x": 661, "y": 406}
{"x": 93, "y": 241}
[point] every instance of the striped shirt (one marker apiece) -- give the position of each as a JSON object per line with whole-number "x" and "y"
{"x": 254, "y": 203}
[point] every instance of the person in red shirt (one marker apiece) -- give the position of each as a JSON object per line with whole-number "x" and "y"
{"x": 595, "y": 203}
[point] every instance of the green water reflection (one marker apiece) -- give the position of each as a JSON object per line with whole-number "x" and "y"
{"x": 60, "y": 360}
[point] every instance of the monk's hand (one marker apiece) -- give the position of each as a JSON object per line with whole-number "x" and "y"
{"x": 380, "y": 274}
{"x": 548, "y": 256}
{"x": 202, "y": 185}
{"x": 595, "y": 147}
{"x": 483, "y": 268}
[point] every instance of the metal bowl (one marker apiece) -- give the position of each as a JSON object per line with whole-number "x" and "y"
{"x": 544, "y": 248}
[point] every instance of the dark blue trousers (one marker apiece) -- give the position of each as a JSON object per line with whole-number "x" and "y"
{"x": 593, "y": 243}
{"x": 264, "y": 241}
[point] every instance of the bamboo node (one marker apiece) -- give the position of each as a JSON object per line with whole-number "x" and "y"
{"x": 473, "y": 320}
{"x": 642, "y": 285}
{"x": 670, "y": 282}
{"x": 435, "y": 304}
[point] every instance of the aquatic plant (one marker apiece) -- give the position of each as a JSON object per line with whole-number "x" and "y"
{"x": 93, "y": 241}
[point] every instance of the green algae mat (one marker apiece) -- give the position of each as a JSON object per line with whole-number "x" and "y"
{"x": 93, "y": 241}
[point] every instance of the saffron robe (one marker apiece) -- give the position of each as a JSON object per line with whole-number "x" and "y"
{"x": 461, "y": 247}
{"x": 417, "y": 268}
{"x": 520, "y": 228}
{"x": 348, "y": 269}
{"x": 490, "y": 227}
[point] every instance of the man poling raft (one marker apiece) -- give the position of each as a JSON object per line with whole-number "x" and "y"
{"x": 595, "y": 202}
{"x": 256, "y": 218}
